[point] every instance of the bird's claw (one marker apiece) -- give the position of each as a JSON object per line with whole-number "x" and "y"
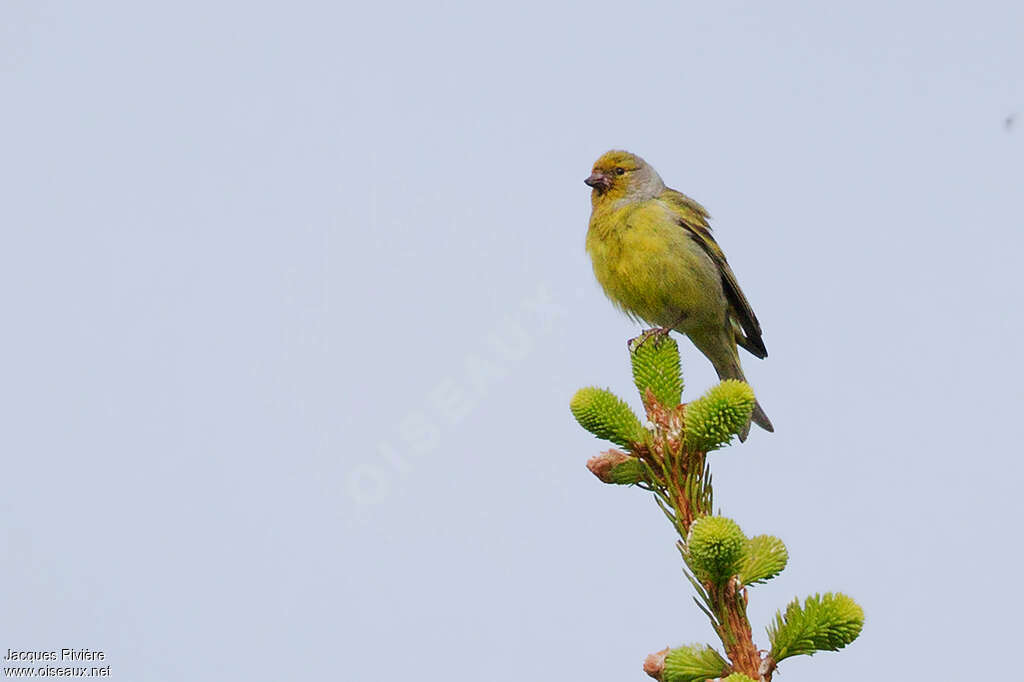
{"x": 656, "y": 333}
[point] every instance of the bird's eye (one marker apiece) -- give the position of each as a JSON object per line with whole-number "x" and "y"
{"x": 620, "y": 171}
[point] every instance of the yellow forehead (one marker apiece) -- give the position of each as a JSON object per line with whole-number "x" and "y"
{"x": 618, "y": 159}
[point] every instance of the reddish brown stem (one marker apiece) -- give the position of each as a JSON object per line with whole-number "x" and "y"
{"x": 731, "y": 610}
{"x": 670, "y": 460}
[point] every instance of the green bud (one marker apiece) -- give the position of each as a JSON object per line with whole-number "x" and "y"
{"x": 606, "y": 416}
{"x": 693, "y": 663}
{"x": 715, "y": 548}
{"x": 737, "y": 677}
{"x": 764, "y": 559}
{"x": 826, "y": 622}
{"x": 656, "y": 366}
{"x": 721, "y": 413}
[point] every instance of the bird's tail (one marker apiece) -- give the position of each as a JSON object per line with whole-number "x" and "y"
{"x": 732, "y": 370}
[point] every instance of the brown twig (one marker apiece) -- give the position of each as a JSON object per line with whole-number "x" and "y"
{"x": 682, "y": 480}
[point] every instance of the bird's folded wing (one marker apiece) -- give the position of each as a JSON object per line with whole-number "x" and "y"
{"x": 692, "y": 217}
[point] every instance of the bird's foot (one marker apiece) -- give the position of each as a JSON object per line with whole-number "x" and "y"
{"x": 656, "y": 333}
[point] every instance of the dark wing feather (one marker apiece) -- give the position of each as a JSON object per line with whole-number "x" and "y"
{"x": 693, "y": 219}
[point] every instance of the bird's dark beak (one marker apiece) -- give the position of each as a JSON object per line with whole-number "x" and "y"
{"x": 599, "y": 181}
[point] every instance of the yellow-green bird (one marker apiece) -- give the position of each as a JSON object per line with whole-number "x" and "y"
{"x": 654, "y": 255}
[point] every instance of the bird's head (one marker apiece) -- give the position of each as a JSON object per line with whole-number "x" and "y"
{"x": 621, "y": 175}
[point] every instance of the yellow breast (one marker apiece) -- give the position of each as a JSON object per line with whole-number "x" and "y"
{"x": 651, "y": 269}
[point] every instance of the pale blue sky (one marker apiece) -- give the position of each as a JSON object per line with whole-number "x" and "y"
{"x": 295, "y": 299}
